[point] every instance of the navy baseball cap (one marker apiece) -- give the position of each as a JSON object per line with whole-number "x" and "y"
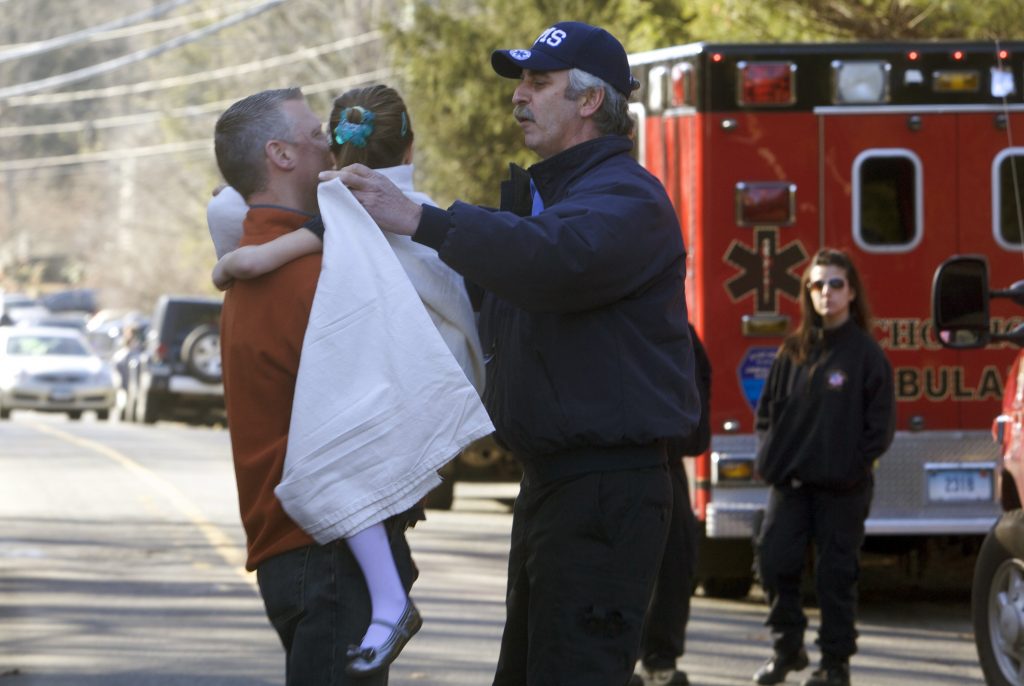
{"x": 568, "y": 45}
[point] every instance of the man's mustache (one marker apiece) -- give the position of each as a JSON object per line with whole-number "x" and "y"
{"x": 522, "y": 112}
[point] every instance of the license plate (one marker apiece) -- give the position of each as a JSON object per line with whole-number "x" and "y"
{"x": 959, "y": 484}
{"x": 62, "y": 395}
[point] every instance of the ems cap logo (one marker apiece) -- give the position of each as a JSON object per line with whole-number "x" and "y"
{"x": 519, "y": 54}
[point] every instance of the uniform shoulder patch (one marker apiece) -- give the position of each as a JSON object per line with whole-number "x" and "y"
{"x": 836, "y": 379}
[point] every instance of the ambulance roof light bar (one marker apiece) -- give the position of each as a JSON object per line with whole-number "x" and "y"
{"x": 956, "y": 81}
{"x": 766, "y": 84}
{"x": 860, "y": 82}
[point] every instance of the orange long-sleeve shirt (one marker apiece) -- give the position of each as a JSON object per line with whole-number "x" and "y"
{"x": 263, "y": 323}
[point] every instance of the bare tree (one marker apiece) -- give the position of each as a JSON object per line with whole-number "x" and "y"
{"x": 110, "y": 176}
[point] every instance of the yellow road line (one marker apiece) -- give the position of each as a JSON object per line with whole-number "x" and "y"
{"x": 218, "y": 540}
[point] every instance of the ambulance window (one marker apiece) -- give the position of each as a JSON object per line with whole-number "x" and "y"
{"x": 656, "y": 90}
{"x": 1008, "y": 198}
{"x": 887, "y": 200}
{"x": 682, "y": 84}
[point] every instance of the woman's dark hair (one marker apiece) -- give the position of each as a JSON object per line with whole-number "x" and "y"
{"x": 376, "y": 130}
{"x": 799, "y": 344}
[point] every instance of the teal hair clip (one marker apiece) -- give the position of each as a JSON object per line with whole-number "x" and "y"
{"x": 347, "y": 131}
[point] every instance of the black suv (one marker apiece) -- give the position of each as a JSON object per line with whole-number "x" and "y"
{"x": 177, "y": 374}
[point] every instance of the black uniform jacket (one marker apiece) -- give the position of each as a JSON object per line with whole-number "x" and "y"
{"x": 583, "y": 318}
{"x": 825, "y": 422}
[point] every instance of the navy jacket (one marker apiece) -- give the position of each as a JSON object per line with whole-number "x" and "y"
{"x": 826, "y": 421}
{"x": 583, "y": 318}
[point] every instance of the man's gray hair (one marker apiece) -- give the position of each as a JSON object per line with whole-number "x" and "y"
{"x": 242, "y": 133}
{"x": 613, "y": 117}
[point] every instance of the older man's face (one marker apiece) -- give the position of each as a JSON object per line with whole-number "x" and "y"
{"x": 550, "y": 122}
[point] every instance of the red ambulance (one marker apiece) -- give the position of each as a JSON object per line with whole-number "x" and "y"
{"x": 900, "y": 154}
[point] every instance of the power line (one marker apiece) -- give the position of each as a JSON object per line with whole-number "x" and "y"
{"x": 149, "y": 26}
{"x": 110, "y": 65}
{"x": 36, "y": 163}
{"x": 191, "y": 79}
{"x": 111, "y": 122}
{"x": 107, "y": 156}
{"x": 177, "y": 113}
{"x": 38, "y": 47}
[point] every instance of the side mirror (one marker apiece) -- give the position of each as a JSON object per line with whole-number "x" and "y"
{"x": 960, "y": 298}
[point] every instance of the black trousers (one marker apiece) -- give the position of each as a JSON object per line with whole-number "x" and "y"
{"x": 584, "y": 556}
{"x": 664, "y": 637}
{"x": 834, "y": 522}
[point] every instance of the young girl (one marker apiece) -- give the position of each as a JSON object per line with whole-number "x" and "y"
{"x": 371, "y": 126}
{"x": 826, "y": 414}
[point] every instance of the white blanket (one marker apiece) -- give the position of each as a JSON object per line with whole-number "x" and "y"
{"x": 380, "y": 402}
{"x": 441, "y": 289}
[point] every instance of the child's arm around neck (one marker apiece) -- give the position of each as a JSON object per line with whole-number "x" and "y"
{"x": 251, "y": 261}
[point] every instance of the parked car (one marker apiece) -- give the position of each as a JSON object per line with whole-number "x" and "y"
{"x": 482, "y": 460}
{"x": 107, "y": 329}
{"x": 16, "y": 307}
{"x": 53, "y": 369}
{"x": 72, "y": 300}
{"x": 69, "y": 320}
{"x": 960, "y": 311}
{"x": 177, "y": 373}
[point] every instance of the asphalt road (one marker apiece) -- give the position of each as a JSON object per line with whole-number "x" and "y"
{"x": 121, "y": 565}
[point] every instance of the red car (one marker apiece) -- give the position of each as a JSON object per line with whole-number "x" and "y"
{"x": 961, "y": 298}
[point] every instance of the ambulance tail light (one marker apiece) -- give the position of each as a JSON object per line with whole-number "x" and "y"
{"x": 731, "y": 468}
{"x": 765, "y": 203}
{"x": 860, "y": 82}
{"x": 766, "y": 84}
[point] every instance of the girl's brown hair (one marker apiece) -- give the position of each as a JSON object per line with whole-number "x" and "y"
{"x": 801, "y": 342}
{"x": 387, "y": 133}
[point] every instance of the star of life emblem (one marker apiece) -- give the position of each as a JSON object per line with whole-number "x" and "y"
{"x": 520, "y": 54}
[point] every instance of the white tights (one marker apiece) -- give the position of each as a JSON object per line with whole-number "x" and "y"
{"x": 372, "y": 551}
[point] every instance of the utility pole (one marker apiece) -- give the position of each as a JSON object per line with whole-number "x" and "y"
{"x": 14, "y": 245}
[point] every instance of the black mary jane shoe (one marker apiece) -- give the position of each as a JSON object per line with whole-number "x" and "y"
{"x": 372, "y": 659}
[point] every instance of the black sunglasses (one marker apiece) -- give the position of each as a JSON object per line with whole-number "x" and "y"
{"x": 835, "y": 284}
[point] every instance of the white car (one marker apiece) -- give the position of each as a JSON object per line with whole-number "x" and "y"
{"x": 53, "y": 369}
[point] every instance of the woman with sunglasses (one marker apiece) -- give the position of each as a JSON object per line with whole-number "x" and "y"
{"x": 826, "y": 414}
